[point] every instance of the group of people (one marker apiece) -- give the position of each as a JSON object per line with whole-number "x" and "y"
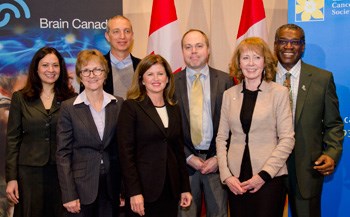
{"x": 160, "y": 144}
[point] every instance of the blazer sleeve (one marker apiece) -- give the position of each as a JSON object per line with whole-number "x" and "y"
{"x": 333, "y": 124}
{"x": 222, "y": 138}
{"x": 127, "y": 139}
{"x": 65, "y": 139}
{"x": 14, "y": 137}
{"x": 285, "y": 134}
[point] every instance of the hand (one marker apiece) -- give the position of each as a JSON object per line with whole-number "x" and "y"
{"x": 210, "y": 166}
{"x": 234, "y": 185}
{"x": 137, "y": 204}
{"x": 253, "y": 184}
{"x": 121, "y": 201}
{"x": 195, "y": 162}
{"x": 186, "y": 199}
{"x": 73, "y": 206}
{"x": 12, "y": 191}
{"x": 324, "y": 165}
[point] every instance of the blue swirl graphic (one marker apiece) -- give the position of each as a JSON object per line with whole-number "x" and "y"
{"x": 15, "y": 10}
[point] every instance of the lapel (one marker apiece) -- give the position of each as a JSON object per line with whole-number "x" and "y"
{"x": 182, "y": 86}
{"x": 82, "y": 111}
{"x": 303, "y": 90}
{"x": 38, "y": 105}
{"x": 109, "y": 119}
{"x": 148, "y": 107}
{"x": 214, "y": 83}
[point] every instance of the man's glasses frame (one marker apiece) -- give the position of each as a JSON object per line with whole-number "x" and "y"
{"x": 293, "y": 42}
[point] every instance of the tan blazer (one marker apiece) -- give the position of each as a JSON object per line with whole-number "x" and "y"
{"x": 271, "y": 137}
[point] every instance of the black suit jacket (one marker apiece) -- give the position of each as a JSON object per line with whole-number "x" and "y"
{"x": 149, "y": 153}
{"x": 219, "y": 82}
{"x": 80, "y": 151}
{"x": 31, "y": 134}
{"x": 318, "y": 127}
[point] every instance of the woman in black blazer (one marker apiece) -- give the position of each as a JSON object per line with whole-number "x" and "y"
{"x": 87, "y": 154}
{"x": 150, "y": 143}
{"x": 31, "y": 174}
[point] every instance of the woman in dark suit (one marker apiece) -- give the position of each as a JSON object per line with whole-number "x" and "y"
{"x": 150, "y": 143}
{"x": 87, "y": 158}
{"x": 31, "y": 174}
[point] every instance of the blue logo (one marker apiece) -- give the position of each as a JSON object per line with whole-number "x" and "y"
{"x": 13, "y": 8}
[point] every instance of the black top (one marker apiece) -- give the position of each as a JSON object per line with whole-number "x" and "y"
{"x": 248, "y": 105}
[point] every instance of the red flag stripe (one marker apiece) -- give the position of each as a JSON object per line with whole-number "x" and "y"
{"x": 158, "y": 17}
{"x": 253, "y": 11}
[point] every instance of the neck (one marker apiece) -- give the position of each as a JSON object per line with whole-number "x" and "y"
{"x": 157, "y": 99}
{"x": 95, "y": 98}
{"x": 252, "y": 84}
{"x": 120, "y": 55}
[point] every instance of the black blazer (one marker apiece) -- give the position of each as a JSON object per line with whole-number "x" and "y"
{"x": 149, "y": 153}
{"x": 80, "y": 151}
{"x": 219, "y": 82}
{"x": 31, "y": 134}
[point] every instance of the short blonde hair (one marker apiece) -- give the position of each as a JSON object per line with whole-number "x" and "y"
{"x": 259, "y": 46}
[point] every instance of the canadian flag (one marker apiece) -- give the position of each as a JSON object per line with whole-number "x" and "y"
{"x": 253, "y": 21}
{"x": 164, "y": 33}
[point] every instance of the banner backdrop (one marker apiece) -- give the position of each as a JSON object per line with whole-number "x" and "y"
{"x": 25, "y": 26}
{"x": 327, "y": 30}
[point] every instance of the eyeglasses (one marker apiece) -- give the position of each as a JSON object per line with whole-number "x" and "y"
{"x": 292, "y": 42}
{"x": 87, "y": 72}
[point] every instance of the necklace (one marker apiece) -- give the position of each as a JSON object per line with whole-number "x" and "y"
{"x": 46, "y": 96}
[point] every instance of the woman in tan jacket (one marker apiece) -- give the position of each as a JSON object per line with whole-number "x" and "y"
{"x": 257, "y": 113}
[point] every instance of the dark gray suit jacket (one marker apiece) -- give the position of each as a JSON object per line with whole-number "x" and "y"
{"x": 219, "y": 82}
{"x": 31, "y": 134}
{"x": 318, "y": 127}
{"x": 80, "y": 151}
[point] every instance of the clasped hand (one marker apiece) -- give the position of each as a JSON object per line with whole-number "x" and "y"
{"x": 204, "y": 166}
{"x": 252, "y": 185}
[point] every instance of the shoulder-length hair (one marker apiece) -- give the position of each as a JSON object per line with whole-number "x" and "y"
{"x": 259, "y": 46}
{"x": 138, "y": 91}
{"x": 33, "y": 87}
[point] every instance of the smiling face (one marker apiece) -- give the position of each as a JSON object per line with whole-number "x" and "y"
{"x": 93, "y": 82}
{"x": 155, "y": 79}
{"x": 49, "y": 69}
{"x": 252, "y": 65}
{"x": 119, "y": 34}
{"x": 195, "y": 50}
{"x": 288, "y": 54}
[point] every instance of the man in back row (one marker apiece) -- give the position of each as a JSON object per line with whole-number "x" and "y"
{"x": 317, "y": 123}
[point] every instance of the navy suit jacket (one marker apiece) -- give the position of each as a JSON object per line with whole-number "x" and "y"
{"x": 219, "y": 82}
{"x": 80, "y": 151}
{"x": 150, "y": 154}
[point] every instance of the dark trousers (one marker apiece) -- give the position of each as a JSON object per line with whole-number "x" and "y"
{"x": 103, "y": 206}
{"x": 267, "y": 202}
{"x": 165, "y": 206}
{"x": 39, "y": 192}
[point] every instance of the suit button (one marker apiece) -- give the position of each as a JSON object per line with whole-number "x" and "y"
{"x": 47, "y": 139}
{"x": 47, "y": 124}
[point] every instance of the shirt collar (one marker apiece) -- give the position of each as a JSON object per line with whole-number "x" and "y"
{"x": 295, "y": 71}
{"x": 81, "y": 98}
{"x": 190, "y": 72}
{"x": 121, "y": 64}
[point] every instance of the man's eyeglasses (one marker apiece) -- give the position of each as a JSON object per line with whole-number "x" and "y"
{"x": 87, "y": 72}
{"x": 292, "y": 42}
